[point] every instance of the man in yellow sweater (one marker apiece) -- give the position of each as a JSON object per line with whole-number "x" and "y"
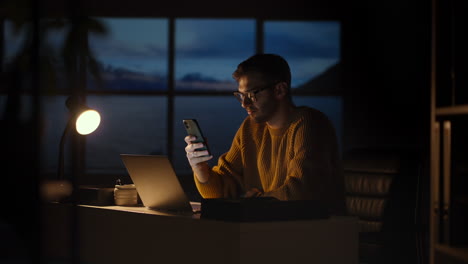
{"x": 280, "y": 150}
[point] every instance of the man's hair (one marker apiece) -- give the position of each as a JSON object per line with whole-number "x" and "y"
{"x": 272, "y": 68}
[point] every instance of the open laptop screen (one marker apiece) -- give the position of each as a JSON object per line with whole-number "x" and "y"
{"x": 156, "y": 182}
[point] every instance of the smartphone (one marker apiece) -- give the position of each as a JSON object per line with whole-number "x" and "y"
{"x": 193, "y": 128}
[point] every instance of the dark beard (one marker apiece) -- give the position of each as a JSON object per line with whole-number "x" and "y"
{"x": 266, "y": 113}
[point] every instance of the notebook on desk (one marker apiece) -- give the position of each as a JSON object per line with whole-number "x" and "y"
{"x": 157, "y": 183}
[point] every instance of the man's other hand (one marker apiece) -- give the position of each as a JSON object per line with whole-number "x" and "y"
{"x": 254, "y": 192}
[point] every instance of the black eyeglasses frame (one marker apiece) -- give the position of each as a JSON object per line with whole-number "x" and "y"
{"x": 251, "y": 95}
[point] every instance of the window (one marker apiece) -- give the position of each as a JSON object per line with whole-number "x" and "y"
{"x": 219, "y": 118}
{"x": 133, "y": 55}
{"x": 130, "y": 124}
{"x": 137, "y": 103}
{"x": 312, "y": 49}
{"x": 132, "y": 100}
{"x": 207, "y": 52}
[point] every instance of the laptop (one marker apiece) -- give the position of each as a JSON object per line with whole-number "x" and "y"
{"x": 157, "y": 183}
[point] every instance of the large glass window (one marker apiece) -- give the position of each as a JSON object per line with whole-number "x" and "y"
{"x": 129, "y": 124}
{"x": 133, "y": 54}
{"x": 133, "y": 59}
{"x": 219, "y": 118}
{"x": 312, "y": 49}
{"x": 136, "y": 103}
{"x": 208, "y": 51}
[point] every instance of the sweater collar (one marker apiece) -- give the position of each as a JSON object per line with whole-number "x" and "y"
{"x": 281, "y": 131}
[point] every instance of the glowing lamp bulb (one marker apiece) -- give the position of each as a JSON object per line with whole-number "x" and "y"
{"x": 87, "y": 122}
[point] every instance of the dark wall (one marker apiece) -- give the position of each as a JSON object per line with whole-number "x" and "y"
{"x": 386, "y": 51}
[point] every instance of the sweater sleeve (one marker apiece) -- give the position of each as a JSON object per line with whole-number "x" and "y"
{"x": 310, "y": 167}
{"x": 226, "y": 177}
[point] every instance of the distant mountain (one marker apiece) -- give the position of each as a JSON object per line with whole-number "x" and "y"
{"x": 197, "y": 77}
{"x": 198, "y": 82}
{"x": 326, "y": 83}
{"x": 120, "y": 79}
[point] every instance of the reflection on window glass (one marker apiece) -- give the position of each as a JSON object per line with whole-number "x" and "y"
{"x": 133, "y": 54}
{"x": 219, "y": 118}
{"x": 17, "y": 37}
{"x": 14, "y": 41}
{"x": 311, "y": 48}
{"x": 208, "y": 51}
{"x": 53, "y": 122}
{"x": 129, "y": 124}
{"x": 54, "y": 48}
{"x": 17, "y": 48}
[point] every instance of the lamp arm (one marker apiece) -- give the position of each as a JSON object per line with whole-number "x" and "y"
{"x": 61, "y": 169}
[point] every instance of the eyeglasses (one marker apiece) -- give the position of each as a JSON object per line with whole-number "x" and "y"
{"x": 252, "y": 95}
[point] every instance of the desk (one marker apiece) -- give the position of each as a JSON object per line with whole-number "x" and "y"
{"x": 115, "y": 234}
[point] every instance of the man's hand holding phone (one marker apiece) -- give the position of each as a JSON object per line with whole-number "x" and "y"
{"x": 196, "y": 152}
{"x": 197, "y": 158}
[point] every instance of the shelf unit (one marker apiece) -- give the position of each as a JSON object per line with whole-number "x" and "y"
{"x": 455, "y": 253}
{"x": 452, "y": 110}
{"x": 449, "y": 133}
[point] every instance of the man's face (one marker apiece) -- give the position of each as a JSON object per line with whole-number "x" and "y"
{"x": 264, "y": 106}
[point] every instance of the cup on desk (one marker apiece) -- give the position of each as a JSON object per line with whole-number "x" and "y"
{"x": 125, "y": 195}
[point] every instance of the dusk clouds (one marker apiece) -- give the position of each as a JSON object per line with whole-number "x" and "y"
{"x": 211, "y": 48}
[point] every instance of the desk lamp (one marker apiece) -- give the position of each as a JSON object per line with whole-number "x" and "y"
{"x": 84, "y": 119}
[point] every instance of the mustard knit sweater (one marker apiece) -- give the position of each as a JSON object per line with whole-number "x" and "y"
{"x": 299, "y": 162}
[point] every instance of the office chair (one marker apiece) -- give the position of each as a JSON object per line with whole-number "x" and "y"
{"x": 382, "y": 191}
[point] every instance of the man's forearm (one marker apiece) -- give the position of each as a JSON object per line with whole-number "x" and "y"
{"x": 202, "y": 172}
